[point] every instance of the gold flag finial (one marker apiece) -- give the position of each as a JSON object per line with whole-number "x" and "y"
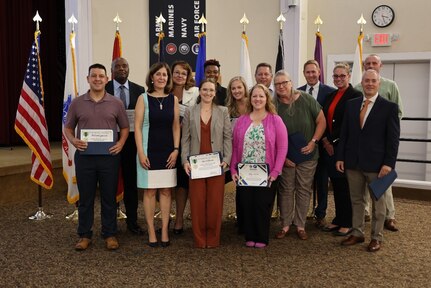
{"x": 244, "y": 21}
{"x": 160, "y": 20}
{"x": 72, "y": 20}
{"x": 203, "y": 21}
{"x": 281, "y": 20}
{"x": 117, "y": 21}
{"x": 318, "y": 22}
{"x": 37, "y": 19}
{"x": 362, "y": 22}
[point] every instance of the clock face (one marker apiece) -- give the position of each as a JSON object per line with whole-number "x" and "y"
{"x": 383, "y": 16}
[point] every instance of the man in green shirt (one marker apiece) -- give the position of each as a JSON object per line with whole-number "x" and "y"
{"x": 388, "y": 90}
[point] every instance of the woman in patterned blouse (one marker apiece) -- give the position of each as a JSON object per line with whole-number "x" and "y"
{"x": 259, "y": 137}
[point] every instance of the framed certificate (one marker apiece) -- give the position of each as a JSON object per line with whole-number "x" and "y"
{"x": 99, "y": 141}
{"x": 205, "y": 165}
{"x": 253, "y": 174}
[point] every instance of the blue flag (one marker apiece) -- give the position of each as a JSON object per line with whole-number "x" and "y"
{"x": 202, "y": 57}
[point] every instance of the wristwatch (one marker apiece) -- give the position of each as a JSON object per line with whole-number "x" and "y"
{"x": 315, "y": 140}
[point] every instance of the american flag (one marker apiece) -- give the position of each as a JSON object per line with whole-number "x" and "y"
{"x": 30, "y": 122}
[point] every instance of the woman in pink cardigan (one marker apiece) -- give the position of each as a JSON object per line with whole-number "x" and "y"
{"x": 259, "y": 136}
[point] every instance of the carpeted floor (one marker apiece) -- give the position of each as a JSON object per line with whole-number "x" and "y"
{"x": 41, "y": 254}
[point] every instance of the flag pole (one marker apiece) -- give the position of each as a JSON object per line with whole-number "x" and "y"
{"x": 72, "y": 20}
{"x": 279, "y": 62}
{"x": 318, "y": 54}
{"x": 40, "y": 214}
{"x": 116, "y": 53}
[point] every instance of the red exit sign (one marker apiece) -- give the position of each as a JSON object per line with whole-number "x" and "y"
{"x": 381, "y": 39}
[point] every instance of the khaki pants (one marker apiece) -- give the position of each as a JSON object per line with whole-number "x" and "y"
{"x": 294, "y": 193}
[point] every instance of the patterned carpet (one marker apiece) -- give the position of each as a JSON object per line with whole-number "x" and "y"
{"x": 41, "y": 254}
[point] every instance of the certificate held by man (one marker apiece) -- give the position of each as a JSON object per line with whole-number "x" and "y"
{"x": 99, "y": 141}
{"x": 253, "y": 174}
{"x": 205, "y": 165}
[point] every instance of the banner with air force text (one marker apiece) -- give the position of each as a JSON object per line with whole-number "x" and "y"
{"x": 181, "y": 29}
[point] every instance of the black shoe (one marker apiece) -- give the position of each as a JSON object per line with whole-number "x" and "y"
{"x": 165, "y": 244}
{"x": 178, "y": 231}
{"x": 135, "y": 229}
{"x": 153, "y": 244}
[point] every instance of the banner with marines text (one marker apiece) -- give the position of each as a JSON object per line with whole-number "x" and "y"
{"x": 181, "y": 29}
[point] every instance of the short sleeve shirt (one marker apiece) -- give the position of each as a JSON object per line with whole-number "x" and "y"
{"x": 300, "y": 116}
{"x": 85, "y": 113}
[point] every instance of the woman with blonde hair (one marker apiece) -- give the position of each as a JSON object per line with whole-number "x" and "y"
{"x": 259, "y": 137}
{"x": 237, "y": 102}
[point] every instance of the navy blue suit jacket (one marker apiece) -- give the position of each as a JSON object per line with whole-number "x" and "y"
{"x": 375, "y": 145}
{"x": 337, "y": 117}
{"x": 134, "y": 91}
{"x": 324, "y": 91}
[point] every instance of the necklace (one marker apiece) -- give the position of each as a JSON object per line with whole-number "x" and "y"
{"x": 160, "y": 102}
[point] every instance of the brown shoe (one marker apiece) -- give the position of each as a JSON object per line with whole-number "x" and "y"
{"x": 320, "y": 223}
{"x": 352, "y": 240}
{"x": 390, "y": 225}
{"x": 82, "y": 244}
{"x": 112, "y": 243}
{"x": 302, "y": 234}
{"x": 374, "y": 245}
{"x": 281, "y": 234}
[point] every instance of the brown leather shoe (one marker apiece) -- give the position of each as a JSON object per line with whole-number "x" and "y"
{"x": 281, "y": 234}
{"x": 112, "y": 243}
{"x": 374, "y": 245}
{"x": 390, "y": 225}
{"x": 302, "y": 234}
{"x": 320, "y": 223}
{"x": 82, "y": 244}
{"x": 352, "y": 240}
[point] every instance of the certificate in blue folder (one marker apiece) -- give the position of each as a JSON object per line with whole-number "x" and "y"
{"x": 99, "y": 141}
{"x": 296, "y": 143}
{"x": 379, "y": 186}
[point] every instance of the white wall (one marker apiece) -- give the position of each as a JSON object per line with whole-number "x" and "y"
{"x": 340, "y": 29}
{"x": 223, "y": 33}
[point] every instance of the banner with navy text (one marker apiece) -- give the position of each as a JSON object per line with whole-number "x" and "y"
{"x": 181, "y": 29}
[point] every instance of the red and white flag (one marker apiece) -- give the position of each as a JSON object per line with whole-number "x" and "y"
{"x": 30, "y": 122}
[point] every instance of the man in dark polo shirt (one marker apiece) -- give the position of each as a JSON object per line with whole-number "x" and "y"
{"x": 99, "y": 110}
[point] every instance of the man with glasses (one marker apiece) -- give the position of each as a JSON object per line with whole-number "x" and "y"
{"x": 388, "y": 90}
{"x": 319, "y": 92}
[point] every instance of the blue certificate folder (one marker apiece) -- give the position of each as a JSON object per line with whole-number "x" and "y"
{"x": 296, "y": 143}
{"x": 379, "y": 186}
{"x": 98, "y": 147}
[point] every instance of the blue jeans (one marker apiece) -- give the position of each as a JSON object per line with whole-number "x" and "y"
{"x": 90, "y": 171}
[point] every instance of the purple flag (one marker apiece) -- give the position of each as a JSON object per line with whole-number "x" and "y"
{"x": 318, "y": 56}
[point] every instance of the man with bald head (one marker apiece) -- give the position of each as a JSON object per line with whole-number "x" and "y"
{"x": 367, "y": 150}
{"x": 128, "y": 92}
{"x": 388, "y": 90}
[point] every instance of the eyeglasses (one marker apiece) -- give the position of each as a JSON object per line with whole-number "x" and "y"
{"x": 281, "y": 84}
{"x": 342, "y": 76}
{"x": 177, "y": 73}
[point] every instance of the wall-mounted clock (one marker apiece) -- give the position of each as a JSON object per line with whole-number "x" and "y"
{"x": 383, "y": 16}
